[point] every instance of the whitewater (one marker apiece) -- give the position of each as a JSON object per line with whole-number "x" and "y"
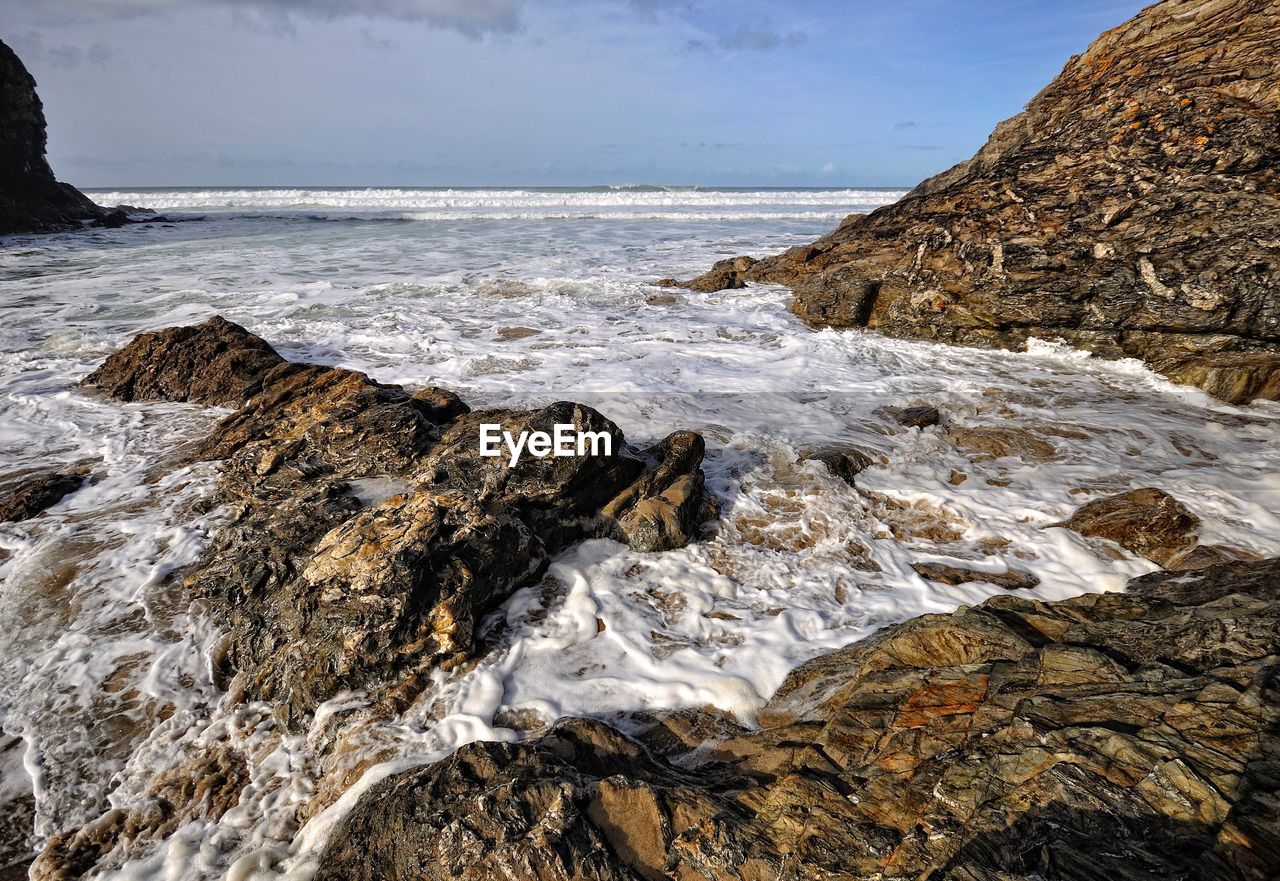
{"x": 521, "y": 297}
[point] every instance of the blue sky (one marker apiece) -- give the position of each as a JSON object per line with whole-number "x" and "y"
{"x": 540, "y": 92}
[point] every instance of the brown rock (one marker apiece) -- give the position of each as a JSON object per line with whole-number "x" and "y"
{"x": 917, "y": 417}
{"x": 37, "y": 493}
{"x": 1149, "y": 522}
{"x": 724, "y": 275}
{"x": 216, "y": 363}
{"x": 1130, "y": 210}
{"x": 1012, "y": 579}
{"x": 845, "y": 463}
{"x": 369, "y": 535}
{"x": 439, "y": 405}
{"x": 516, "y": 333}
{"x": 1126, "y": 736}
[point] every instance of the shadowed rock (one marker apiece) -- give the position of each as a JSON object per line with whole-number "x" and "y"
{"x": 39, "y": 492}
{"x": 1131, "y": 210}
{"x": 1128, "y": 736}
{"x": 31, "y": 199}
{"x": 1011, "y": 579}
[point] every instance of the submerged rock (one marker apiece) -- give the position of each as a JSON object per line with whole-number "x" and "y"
{"x": 845, "y": 463}
{"x": 368, "y": 533}
{"x": 1011, "y": 579}
{"x": 1130, "y": 210}
{"x": 1128, "y": 735}
{"x": 923, "y": 416}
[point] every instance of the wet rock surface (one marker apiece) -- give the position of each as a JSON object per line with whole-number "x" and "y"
{"x": 1131, "y": 210}
{"x": 1149, "y": 522}
{"x": 1130, "y": 735}
{"x": 845, "y": 463}
{"x": 1011, "y": 579}
{"x": 368, "y": 535}
{"x": 34, "y": 494}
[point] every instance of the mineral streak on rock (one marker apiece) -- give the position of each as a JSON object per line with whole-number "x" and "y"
{"x": 1133, "y": 209}
{"x": 1119, "y": 736}
{"x": 326, "y": 585}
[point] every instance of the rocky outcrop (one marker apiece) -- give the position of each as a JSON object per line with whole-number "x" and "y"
{"x": 215, "y": 363}
{"x": 1132, "y": 210}
{"x": 368, "y": 534}
{"x": 31, "y": 199}
{"x": 1119, "y": 736}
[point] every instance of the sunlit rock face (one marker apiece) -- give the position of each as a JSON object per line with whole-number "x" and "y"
{"x": 1122, "y": 735}
{"x": 368, "y": 532}
{"x": 1131, "y": 209}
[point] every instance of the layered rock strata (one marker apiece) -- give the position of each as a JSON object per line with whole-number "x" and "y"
{"x": 1133, "y": 209}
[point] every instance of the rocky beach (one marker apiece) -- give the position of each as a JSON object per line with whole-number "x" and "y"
{"x": 946, "y": 546}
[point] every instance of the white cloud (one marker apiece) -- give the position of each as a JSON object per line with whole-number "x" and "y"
{"x": 829, "y": 169}
{"x": 471, "y": 17}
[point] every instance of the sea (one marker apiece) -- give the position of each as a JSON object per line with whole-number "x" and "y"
{"x": 519, "y": 297}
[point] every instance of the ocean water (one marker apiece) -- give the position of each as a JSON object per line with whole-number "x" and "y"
{"x": 105, "y": 668}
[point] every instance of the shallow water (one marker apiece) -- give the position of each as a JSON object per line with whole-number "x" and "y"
{"x": 106, "y": 671}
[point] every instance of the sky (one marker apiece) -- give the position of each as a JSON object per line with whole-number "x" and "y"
{"x": 535, "y": 92}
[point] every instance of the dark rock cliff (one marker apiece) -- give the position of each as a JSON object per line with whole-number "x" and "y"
{"x": 31, "y": 199}
{"x": 1133, "y": 210}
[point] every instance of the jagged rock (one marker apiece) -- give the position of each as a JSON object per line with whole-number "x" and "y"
{"x": 1126, "y": 736}
{"x": 845, "y": 463}
{"x": 31, "y": 199}
{"x": 1133, "y": 210}
{"x": 321, "y": 419}
{"x": 724, "y": 275}
{"x": 1011, "y": 579}
{"x": 369, "y": 535}
{"x": 668, "y": 503}
{"x": 37, "y": 493}
{"x": 216, "y": 363}
{"x": 1149, "y": 522}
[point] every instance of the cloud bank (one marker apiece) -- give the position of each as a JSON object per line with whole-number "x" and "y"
{"x": 470, "y": 17}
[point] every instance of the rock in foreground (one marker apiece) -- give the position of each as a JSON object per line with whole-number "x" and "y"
{"x": 1133, "y": 210}
{"x": 1118, "y": 736}
{"x": 368, "y": 534}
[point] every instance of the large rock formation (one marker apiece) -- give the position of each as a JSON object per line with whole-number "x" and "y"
{"x": 1133, "y": 210}
{"x": 31, "y": 199}
{"x": 369, "y": 535}
{"x": 1118, "y": 736}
